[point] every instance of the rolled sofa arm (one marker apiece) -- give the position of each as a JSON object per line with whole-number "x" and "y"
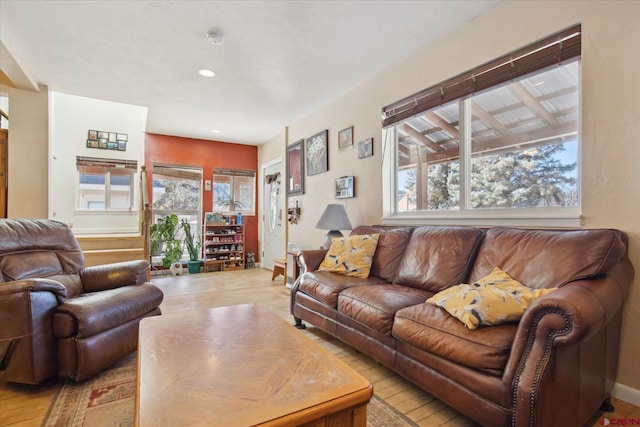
{"x": 310, "y": 260}
{"x": 111, "y": 276}
{"x": 564, "y": 333}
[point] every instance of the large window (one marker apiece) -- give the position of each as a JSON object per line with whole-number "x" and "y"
{"x": 106, "y": 184}
{"x": 234, "y": 191}
{"x": 509, "y": 149}
{"x": 178, "y": 190}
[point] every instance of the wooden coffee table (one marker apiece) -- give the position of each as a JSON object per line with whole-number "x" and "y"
{"x": 241, "y": 366}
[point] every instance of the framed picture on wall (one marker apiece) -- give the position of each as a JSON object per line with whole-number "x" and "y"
{"x": 295, "y": 168}
{"x": 316, "y": 153}
{"x": 345, "y": 139}
{"x": 344, "y": 187}
{"x": 365, "y": 148}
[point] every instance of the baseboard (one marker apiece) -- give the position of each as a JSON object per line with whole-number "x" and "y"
{"x": 626, "y": 393}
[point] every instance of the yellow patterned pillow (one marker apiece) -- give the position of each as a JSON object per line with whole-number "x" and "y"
{"x": 494, "y": 299}
{"x": 351, "y": 256}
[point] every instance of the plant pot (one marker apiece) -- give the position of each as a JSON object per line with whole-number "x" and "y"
{"x": 194, "y": 266}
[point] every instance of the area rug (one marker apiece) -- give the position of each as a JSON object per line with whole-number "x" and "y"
{"x": 108, "y": 400}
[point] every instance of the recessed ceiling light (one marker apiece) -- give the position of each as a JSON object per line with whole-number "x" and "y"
{"x": 206, "y": 73}
{"x": 215, "y": 130}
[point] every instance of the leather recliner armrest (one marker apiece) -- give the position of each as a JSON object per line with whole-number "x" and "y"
{"x": 33, "y": 285}
{"x": 16, "y": 300}
{"x": 111, "y": 276}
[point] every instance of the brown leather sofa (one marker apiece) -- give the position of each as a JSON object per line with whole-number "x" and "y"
{"x": 554, "y": 367}
{"x": 58, "y": 317}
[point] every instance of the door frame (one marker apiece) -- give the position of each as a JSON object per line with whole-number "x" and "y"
{"x": 262, "y": 221}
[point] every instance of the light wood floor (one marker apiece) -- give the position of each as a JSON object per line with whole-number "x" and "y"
{"x": 22, "y": 405}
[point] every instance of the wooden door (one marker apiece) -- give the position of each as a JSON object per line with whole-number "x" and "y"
{"x": 4, "y": 143}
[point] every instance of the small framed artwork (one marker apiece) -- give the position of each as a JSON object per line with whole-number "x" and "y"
{"x": 365, "y": 148}
{"x": 316, "y": 153}
{"x": 295, "y": 168}
{"x": 344, "y": 187}
{"x": 107, "y": 140}
{"x": 345, "y": 139}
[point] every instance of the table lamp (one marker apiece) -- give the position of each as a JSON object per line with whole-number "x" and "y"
{"x": 334, "y": 218}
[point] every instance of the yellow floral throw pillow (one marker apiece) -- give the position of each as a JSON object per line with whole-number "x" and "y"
{"x": 494, "y": 299}
{"x": 351, "y": 256}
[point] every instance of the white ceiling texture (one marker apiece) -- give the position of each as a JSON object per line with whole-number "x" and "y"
{"x": 278, "y": 61}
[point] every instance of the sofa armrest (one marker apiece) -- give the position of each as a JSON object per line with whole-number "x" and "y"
{"x": 111, "y": 276}
{"x": 564, "y": 333}
{"x": 310, "y": 259}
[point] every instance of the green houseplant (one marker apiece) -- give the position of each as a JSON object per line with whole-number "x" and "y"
{"x": 228, "y": 204}
{"x": 163, "y": 232}
{"x": 193, "y": 246}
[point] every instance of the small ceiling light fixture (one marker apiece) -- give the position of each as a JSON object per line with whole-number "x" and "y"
{"x": 215, "y": 130}
{"x": 206, "y": 73}
{"x": 215, "y": 38}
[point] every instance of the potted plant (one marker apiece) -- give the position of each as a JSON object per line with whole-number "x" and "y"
{"x": 163, "y": 233}
{"x": 193, "y": 246}
{"x": 228, "y": 204}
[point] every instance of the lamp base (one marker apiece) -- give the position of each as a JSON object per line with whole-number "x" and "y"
{"x": 328, "y": 236}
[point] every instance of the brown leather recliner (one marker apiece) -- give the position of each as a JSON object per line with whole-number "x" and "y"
{"x": 58, "y": 317}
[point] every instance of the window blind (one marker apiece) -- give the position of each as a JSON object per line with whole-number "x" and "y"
{"x": 106, "y": 163}
{"x": 234, "y": 172}
{"x": 559, "y": 48}
{"x": 182, "y": 172}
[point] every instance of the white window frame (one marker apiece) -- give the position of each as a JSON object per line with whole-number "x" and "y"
{"x": 231, "y": 174}
{"x": 542, "y": 217}
{"x": 106, "y": 171}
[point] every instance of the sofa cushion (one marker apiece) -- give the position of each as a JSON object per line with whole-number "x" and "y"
{"x": 351, "y": 256}
{"x": 391, "y": 246}
{"x": 492, "y": 300}
{"x": 375, "y": 306}
{"x": 547, "y": 259}
{"x": 432, "y": 329}
{"x": 325, "y": 286}
{"x": 438, "y": 257}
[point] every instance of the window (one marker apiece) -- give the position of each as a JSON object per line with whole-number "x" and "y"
{"x": 178, "y": 190}
{"x": 106, "y": 184}
{"x": 485, "y": 144}
{"x": 234, "y": 191}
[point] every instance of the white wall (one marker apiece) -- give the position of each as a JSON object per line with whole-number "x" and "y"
{"x": 71, "y": 117}
{"x": 610, "y": 124}
{"x": 27, "y": 174}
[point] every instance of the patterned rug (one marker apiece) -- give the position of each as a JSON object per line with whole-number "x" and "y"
{"x": 108, "y": 400}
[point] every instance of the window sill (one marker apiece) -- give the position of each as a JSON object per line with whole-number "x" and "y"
{"x": 105, "y": 212}
{"x": 488, "y": 219}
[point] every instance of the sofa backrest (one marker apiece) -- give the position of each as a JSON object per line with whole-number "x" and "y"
{"x": 391, "y": 246}
{"x": 40, "y": 249}
{"x": 549, "y": 258}
{"x": 438, "y": 257}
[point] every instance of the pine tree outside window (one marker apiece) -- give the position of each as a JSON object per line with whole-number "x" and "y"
{"x": 510, "y": 150}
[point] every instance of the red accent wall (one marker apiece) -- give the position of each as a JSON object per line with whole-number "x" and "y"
{"x": 207, "y": 155}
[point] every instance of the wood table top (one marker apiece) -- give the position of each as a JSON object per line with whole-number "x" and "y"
{"x": 240, "y": 365}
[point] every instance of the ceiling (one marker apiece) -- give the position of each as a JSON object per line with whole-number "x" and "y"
{"x": 278, "y": 62}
